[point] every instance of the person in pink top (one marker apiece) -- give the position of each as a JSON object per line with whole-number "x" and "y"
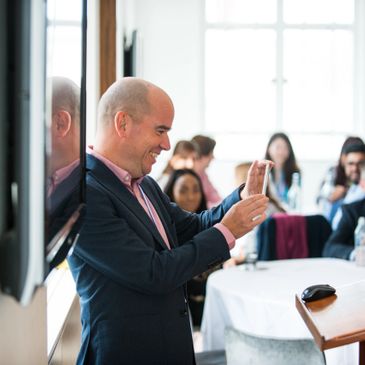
{"x": 206, "y": 147}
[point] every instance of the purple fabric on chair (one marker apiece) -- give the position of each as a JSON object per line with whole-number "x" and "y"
{"x": 291, "y": 236}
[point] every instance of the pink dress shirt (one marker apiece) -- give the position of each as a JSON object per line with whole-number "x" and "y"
{"x": 211, "y": 194}
{"x": 60, "y": 175}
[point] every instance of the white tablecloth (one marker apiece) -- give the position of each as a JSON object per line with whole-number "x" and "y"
{"x": 263, "y": 301}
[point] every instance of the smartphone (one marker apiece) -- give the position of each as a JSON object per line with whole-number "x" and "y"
{"x": 266, "y": 178}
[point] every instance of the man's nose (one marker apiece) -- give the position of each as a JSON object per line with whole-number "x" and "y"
{"x": 165, "y": 144}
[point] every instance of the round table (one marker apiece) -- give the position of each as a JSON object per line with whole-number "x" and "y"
{"x": 262, "y": 301}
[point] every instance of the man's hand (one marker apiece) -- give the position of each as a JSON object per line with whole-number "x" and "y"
{"x": 255, "y": 178}
{"x": 246, "y": 214}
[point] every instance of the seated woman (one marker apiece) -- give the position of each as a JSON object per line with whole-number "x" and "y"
{"x": 335, "y": 183}
{"x": 184, "y": 187}
{"x": 183, "y": 156}
{"x": 280, "y": 151}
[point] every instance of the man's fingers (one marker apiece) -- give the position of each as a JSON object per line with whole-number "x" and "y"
{"x": 258, "y": 219}
{"x": 246, "y": 214}
{"x": 256, "y": 199}
{"x": 257, "y": 213}
{"x": 254, "y": 206}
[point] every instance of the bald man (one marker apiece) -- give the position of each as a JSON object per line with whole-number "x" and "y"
{"x": 137, "y": 250}
{"x": 63, "y": 163}
{"x": 65, "y": 124}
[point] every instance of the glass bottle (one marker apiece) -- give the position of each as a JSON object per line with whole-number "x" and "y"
{"x": 294, "y": 194}
{"x": 360, "y": 242}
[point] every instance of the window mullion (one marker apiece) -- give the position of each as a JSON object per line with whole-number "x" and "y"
{"x": 359, "y": 73}
{"x": 280, "y": 81}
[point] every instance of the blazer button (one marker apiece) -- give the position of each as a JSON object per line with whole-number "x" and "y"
{"x": 183, "y": 312}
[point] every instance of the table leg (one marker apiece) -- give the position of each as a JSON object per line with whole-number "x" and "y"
{"x": 362, "y": 353}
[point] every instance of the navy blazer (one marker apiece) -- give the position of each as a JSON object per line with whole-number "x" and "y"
{"x": 60, "y": 206}
{"x": 341, "y": 242}
{"x": 131, "y": 286}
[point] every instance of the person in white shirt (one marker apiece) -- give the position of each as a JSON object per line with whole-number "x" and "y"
{"x": 354, "y": 169}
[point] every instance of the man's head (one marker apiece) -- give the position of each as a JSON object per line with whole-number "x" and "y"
{"x": 354, "y": 159}
{"x": 65, "y": 124}
{"x": 134, "y": 118}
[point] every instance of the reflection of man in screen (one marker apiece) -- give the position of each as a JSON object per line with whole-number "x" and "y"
{"x": 63, "y": 174}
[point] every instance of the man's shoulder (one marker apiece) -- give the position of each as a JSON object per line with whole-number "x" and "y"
{"x": 151, "y": 184}
{"x": 150, "y": 181}
{"x": 357, "y": 207}
{"x": 97, "y": 173}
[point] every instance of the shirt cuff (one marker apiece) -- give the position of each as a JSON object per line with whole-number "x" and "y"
{"x": 231, "y": 241}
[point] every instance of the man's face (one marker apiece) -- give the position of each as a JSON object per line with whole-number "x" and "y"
{"x": 148, "y": 138}
{"x": 353, "y": 162}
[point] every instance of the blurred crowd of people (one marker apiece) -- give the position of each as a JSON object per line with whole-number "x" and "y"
{"x": 185, "y": 180}
{"x": 119, "y": 188}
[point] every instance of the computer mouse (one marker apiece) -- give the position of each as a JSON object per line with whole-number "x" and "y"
{"x": 318, "y": 291}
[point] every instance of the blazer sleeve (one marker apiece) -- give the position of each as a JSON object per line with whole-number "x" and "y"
{"x": 341, "y": 242}
{"x": 127, "y": 253}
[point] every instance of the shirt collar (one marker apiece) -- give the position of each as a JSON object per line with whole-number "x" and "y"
{"x": 61, "y": 174}
{"x": 124, "y": 176}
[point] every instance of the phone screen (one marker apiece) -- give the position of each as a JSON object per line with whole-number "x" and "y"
{"x": 266, "y": 178}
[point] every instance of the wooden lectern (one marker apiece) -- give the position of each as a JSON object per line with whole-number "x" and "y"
{"x": 337, "y": 320}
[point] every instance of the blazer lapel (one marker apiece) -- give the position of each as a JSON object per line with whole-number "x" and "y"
{"x": 107, "y": 178}
{"x": 154, "y": 200}
{"x": 63, "y": 190}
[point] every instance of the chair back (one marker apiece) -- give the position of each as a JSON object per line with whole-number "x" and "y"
{"x": 243, "y": 349}
{"x": 216, "y": 357}
{"x": 287, "y": 236}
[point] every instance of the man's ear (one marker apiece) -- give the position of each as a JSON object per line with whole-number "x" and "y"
{"x": 120, "y": 123}
{"x": 62, "y": 122}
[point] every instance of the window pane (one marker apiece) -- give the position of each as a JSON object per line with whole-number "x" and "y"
{"x": 241, "y": 11}
{"x": 60, "y": 10}
{"x": 239, "y": 68}
{"x": 318, "y": 70}
{"x": 64, "y": 55}
{"x": 318, "y": 11}
{"x": 251, "y": 146}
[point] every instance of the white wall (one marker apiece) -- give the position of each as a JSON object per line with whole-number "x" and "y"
{"x": 171, "y": 55}
{"x": 92, "y": 80}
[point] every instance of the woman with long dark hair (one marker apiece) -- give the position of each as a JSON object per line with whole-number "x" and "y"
{"x": 184, "y": 187}
{"x": 280, "y": 151}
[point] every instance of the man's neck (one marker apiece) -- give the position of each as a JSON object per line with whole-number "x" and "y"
{"x": 58, "y": 164}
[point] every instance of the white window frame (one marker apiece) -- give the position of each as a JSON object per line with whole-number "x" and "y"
{"x": 358, "y": 28}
